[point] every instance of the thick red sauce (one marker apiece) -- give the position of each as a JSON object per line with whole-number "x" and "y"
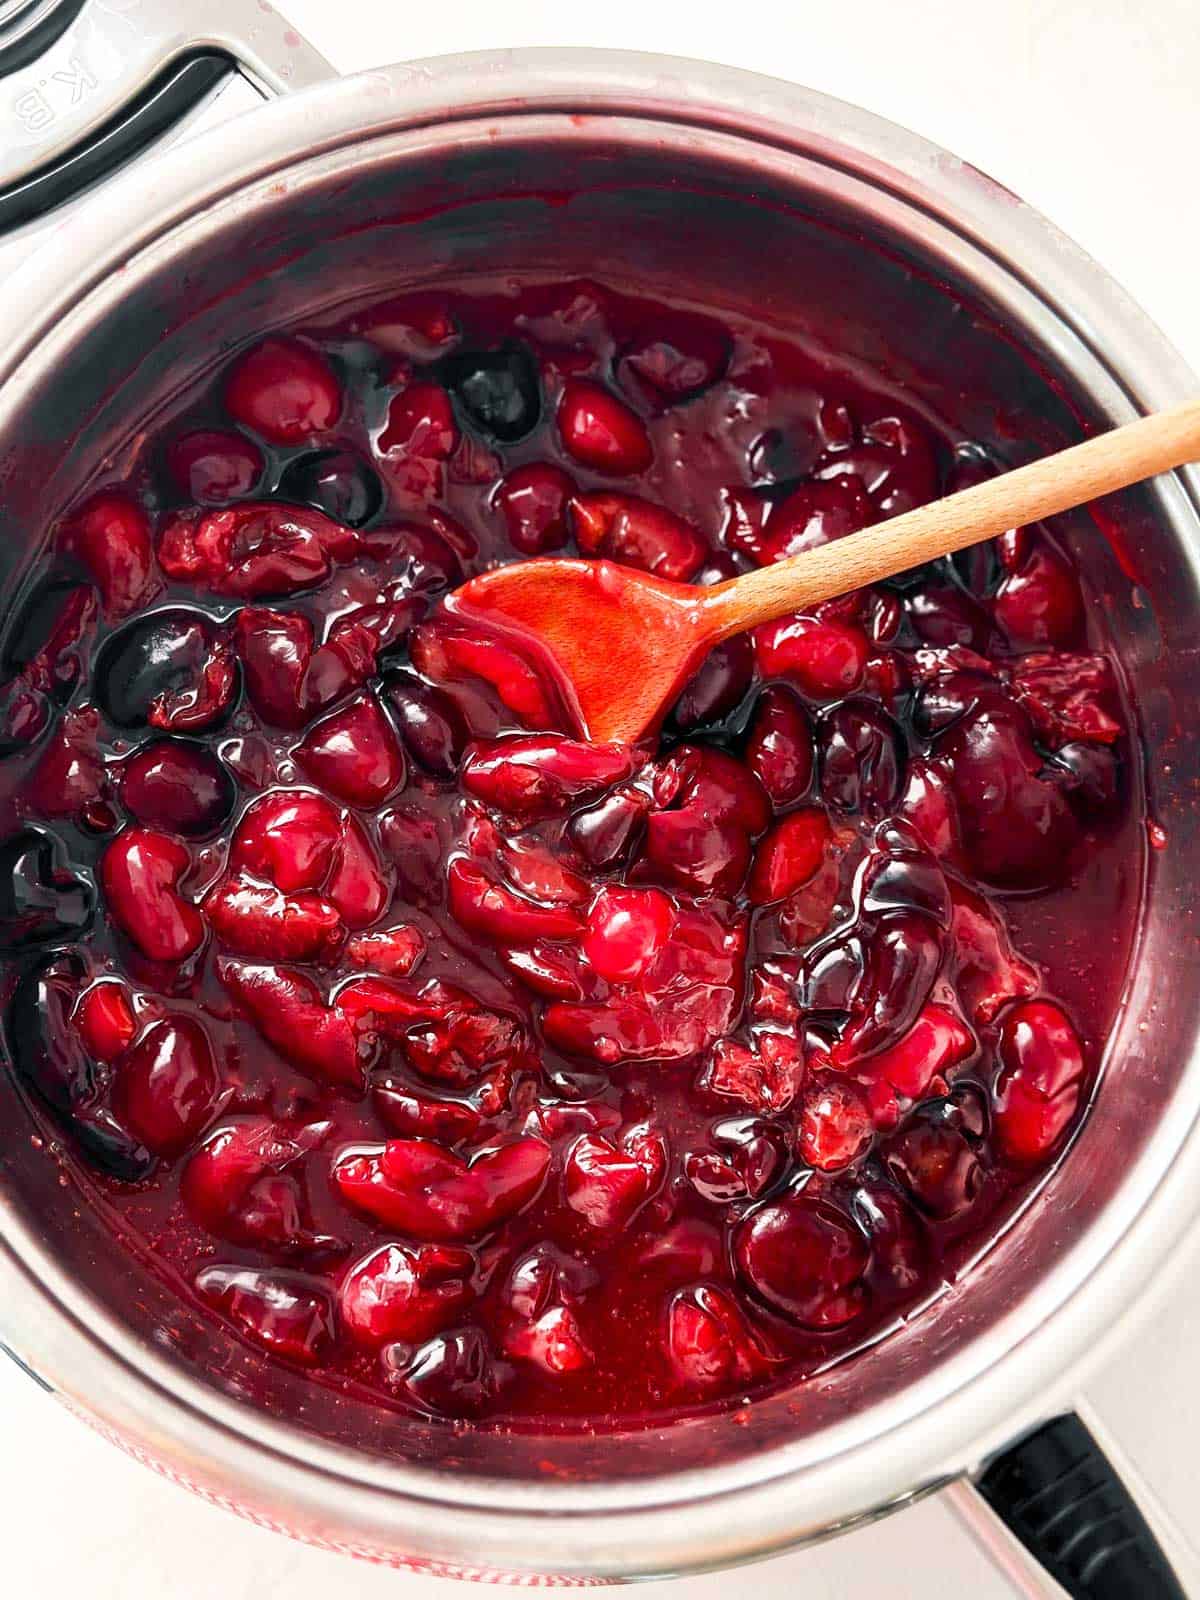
{"x": 514, "y": 1077}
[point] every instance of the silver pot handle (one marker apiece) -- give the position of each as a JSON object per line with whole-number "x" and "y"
{"x": 111, "y": 52}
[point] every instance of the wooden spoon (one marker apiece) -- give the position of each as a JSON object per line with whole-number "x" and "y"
{"x": 621, "y": 643}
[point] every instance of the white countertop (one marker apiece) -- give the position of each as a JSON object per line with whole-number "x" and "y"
{"x": 1087, "y": 109}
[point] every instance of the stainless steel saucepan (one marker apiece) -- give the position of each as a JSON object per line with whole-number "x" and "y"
{"x": 144, "y": 230}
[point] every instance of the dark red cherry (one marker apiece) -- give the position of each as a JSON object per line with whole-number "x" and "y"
{"x": 43, "y": 900}
{"x": 139, "y": 873}
{"x": 1017, "y": 825}
{"x": 600, "y": 431}
{"x": 172, "y": 669}
{"x": 498, "y": 391}
{"x": 862, "y": 758}
{"x": 533, "y": 502}
{"x": 936, "y": 1165}
{"x": 335, "y": 482}
{"x": 451, "y": 1376}
{"x": 673, "y": 359}
{"x": 110, "y": 534}
{"x": 429, "y": 721}
{"x": 720, "y": 683}
{"x": 212, "y": 466}
{"x": 779, "y": 749}
{"x": 167, "y": 1085}
{"x": 283, "y": 391}
{"x": 47, "y": 1049}
{"x": 354, "y": 753}
{"x": 288, "y": 1313}
{"x": 178, "y": 785}
{"x": 805, "y": 1259}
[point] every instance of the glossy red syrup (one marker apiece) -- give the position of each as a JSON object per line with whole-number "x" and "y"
{"x": 515, "y": 1077}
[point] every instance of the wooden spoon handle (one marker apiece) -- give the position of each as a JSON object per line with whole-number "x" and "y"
{"x": 1057, "y": 483}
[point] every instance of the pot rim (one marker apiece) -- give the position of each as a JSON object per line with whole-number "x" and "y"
{"x": 1018, "y": 1369}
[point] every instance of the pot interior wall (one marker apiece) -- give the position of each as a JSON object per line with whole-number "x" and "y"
{"x": 621, "y": 210}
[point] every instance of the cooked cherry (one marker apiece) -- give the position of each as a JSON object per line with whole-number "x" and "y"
{"x": 335, "y": 482}
{"x": 718, "y": 686}
{"x": 105, "y": 1020}
{"x": 626, "y": 930}
{"x": 43, "y": 900}
{"x": 811, "y": 516}
{"x": 764, "y": 1076}
{"x": 606, "y": 831}
{"x": 31, "y": 629}
{"x": 1039, "y": 602}
{"x": 283, "y": 391}
{"x": 862, "y": 758}
{"x": 533, "y": 501}
{"x": 945, "y": 615}
{"x": 604, "y": 1184}
{"x": 167, "y": 1085}
{"x": 835, "y": 1124}
{"x": 171, "y": 669}
{"x": 637, "y": 533}
{"x": 287, "y": 1313}
{"x": 451, "y": 1376}
{"x": 110, "y": 534}
{"x": 140, "y": 873}
{"x": 788, "y": 856}
{"x": 904, "y": 876}
{"x": 42, "y": 651}
{"x": 213, "y": 466}
{"x": 291, "y": 1014}
{"x": 826, "y": 659}
{"x": 430, "y": 723}
{"x": 600, "y": 431}
{"x": 709, "y": 1342}
{"x": 46, "y": 1048}
{"x": 406, "y": 1292}
{"x": 110, "y": 1147}
{"x": 354, "y": 754}
{"x": 806, "y": 1259}
{"x": 498, "y": 391}
{"x": 903, "y": 955}
{"x": 539, "y": 776}
{"x": 779, "y": 750}
{"x": 420, "y": 1189}
{"x": 1038, "y": 1089}
{"x": 1091, "y": 774}
{"x": 1017, "y": 825}
{"x": 936, "y": 1165}
{"x": 178, "y": 785}
{"x": 497, "y": 1073}
{"x": 668, "y": 364}
{"x": 254, "y": 549}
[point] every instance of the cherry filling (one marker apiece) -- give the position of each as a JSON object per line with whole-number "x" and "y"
{"x": 503, "y": 1074}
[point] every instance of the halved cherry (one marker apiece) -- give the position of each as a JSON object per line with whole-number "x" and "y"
{"x": 405, "y": 1292}
{"x": 110, "y": 533}
{"x": 283, "y": 391}
{"x": 288, "y": 1313}
{"x": 354, "y": 753}
{"x": 167, "y": 1085}
{"x": 140, "y": 872}
{"x": 600, "y": 431}
{"x": 425, "y": 1191}
{"x": 291, "y": 1013}
{"x": 1040, "y": 1082}
{"x": 826, "y": 659}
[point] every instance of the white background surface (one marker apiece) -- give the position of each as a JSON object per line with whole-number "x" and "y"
{"x": 1090, "y": 110}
